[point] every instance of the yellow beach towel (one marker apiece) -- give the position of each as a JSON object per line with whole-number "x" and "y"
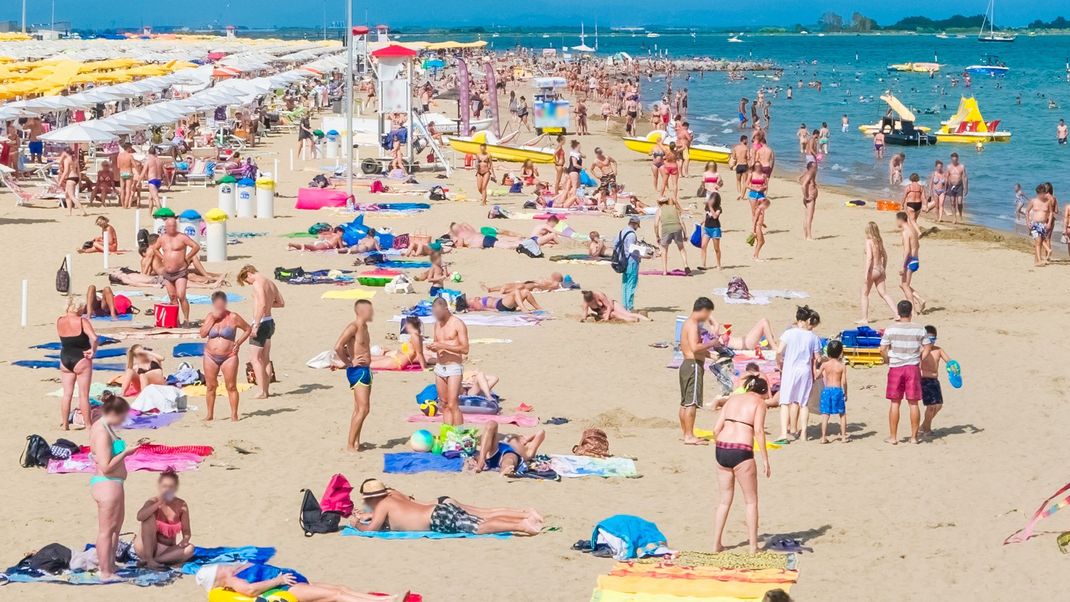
{"x": 704, "y": 434}
{"x": 349, "y": 294}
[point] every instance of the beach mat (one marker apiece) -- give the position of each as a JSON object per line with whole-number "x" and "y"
{"x": 54, "y": 364}
{"x": 152, "y": 421}
{"x": 760, "y": 297}
{"x": 586, "y": 466}
{"x": 580, "y": 258}
{"x": 157, "y": 333}
{"x": 202, "y": 556}
{"x": 407, "y": 368}
{"x": 676, "y": 272}
{"x": 100, "y": 353}
{"x": 524, "y": 420}
{"x": 188, "y": 350}
{"x": 349, "y": 294}
{"x": 414, "y": 462}
{"x": 128, "y": 573}
{"x": 122, "y": 318}
{"x": 207, "y": 299}
{"x": 490, "y": 318}
{"x": 56, "y": 345}
{"x": 351, "y": 532}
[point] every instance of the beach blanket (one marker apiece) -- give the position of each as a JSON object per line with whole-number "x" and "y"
{"x": 414, "y": 462}
{"x": 489, "y": 318}
{"x": 54, "y": 364}
{"x": 101, "y": 353}
{"x": 151, "y": 420}
{"x": 157, "y": 333}
{"x": 524, "y": 420}
{"x": 676, "y": 272}
{"x": 56, "y": 345}
{"x": 150, "y": 457}
{"x": 188, "y": 350}
{"x": 221, "y": 389}
{"x": 202, "y": 556}
{"x": 121, "y": 318}
{"x": 700, "y": 582}
{"x": 398, "y": 264}
{"x": 391, "y": 207}
{"x": 586, "y": 466}
{"x": 351, "y": 532}
{"x": 95, "y": 391}
{"x": 580, "y": 258}
{"x": 128, "y": 573}
{"x": 207, "y": 299}
{"x": 406, "y": 368}
{"x": 760, "y": 297}
{"x": 349, "y": 294}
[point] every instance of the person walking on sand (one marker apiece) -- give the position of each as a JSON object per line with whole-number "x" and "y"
{"x": 797, "y": 355}
{"x": 266, "y": 296}
{"x": 876, "y": 268}
{"x": 152, "y": 174}
{"x": 738, "y": 162}
{"x": 711, "y": 228}
{"x": 808, "y": 181}
{"x": 669, "y": 230}
{"x": 958, "y": 186}
{"x": 628, "y": 240}
{"x": 740, "y": 429}
{"x": 353, "y": 349}
{"x": 177, "y": 251}
{"x": 484, "y": 172}
{"x": 451, "y": 344}
{"x": 70, "y": 174}
{"x": 125, "y": 163}
{"x": 902, "y": 347}
{"x": 693, "y": 367}
{"x": 1038, "y": 214}
{"x": 911, "y": 259}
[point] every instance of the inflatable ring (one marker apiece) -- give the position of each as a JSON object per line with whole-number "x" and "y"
{"x": 219, "y": 594}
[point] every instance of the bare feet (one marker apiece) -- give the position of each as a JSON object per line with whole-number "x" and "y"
{"x": 845, "y": 438}
{"x": 892, "y": 441}
{"x": 530, "y": 526}
{"x": 824, "y": 441}
{"x": 692, "y": 440}
{"x": 914, "y": 440}
{"x": 862, "y": 322}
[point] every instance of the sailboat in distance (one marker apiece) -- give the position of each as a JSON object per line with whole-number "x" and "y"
{"x": 992, "y": 35}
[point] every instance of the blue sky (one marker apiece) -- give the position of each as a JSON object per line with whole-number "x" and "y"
{"x": 693, "y": 13}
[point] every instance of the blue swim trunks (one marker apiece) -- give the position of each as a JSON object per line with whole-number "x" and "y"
{"x": 359, "y": 376}
{"x": 833, "y": 401}
{"x": 912, "y": 264}
{"x": 155, "y": 182}
{"x": 711, "y": 232}
{"x": 489, "y": 242}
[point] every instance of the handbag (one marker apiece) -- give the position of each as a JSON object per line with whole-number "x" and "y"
{"x": 63, "y": 278}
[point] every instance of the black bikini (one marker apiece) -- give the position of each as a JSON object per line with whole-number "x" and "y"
{"x": 730, "y": 455}
{"x": 72, "y": 349}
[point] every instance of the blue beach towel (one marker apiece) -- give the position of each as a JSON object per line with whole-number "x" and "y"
{"x": 207, "y": 299}
{"x": 56, "y": 345}
{"x": 203, "y": 556}
{"x": 351, "y": 532}
{"x": 414, "y": 462}
{"x": 54, "y": 364}
{"x": 101, "y": 353}
{"x": 122, "y": 318}
{"x": 188, "y": 350}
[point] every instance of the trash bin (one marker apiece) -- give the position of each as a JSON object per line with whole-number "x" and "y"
{"x": 189, "y": 223}
{"x": 226, "y": 199}
{"x": 216, "y": 235}
{"x": 246, "y": 201}
{"x": 331, "y": 143}
{"x": 265, "y": 196}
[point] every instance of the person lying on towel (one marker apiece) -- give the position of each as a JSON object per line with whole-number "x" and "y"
{"x": 391, "y": 510}
{"x": 331, "y": 239}
{"x": 410, "y": 353}
{"x": 555, "y": 282}
{"x": 506, "y": 454}
{"x": 509, "y": 302}
{"x": 252, "y": 580}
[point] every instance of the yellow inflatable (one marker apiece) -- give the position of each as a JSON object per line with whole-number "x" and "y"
{"x": 219, "y": 594}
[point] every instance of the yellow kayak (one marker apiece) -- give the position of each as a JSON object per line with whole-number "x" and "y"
{"x": 700, "y": 153}
{"x": 501, "y": 152}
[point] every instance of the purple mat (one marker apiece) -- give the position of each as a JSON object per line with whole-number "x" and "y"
{"x": 152, "y": 421}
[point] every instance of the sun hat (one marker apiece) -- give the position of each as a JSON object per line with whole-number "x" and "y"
{"x": 373, "y": 488}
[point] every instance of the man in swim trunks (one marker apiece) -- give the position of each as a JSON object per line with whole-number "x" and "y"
{"x": 451, "y": 344}
{"x": 391, "y": 510}
{"x": 742, "y": 112}
{"x": 544, "y": 233}
{"x": 808, "y": 181}
{"x": 354, "y": 350}
{"x": 932, "y": 397}
{"x": 266, "y": 296}
{"x": 1060, "y": 133}
{"x": 124, "y": 162}
{"x": 508, "y": 454}
{"x": 37, "y": 148}
{"x": 176, "y": 251}
{"x": 693, "y": 367}
{"x": 738, "y": 161}
{"x": 911, "y": 259}
{"x": 1038, "y": 214}
{"x": 152, "y": 174}
{"x": 903, "y": 344}
{"x": 958, "y": 186}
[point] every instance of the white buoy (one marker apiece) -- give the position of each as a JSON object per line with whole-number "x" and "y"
{"x": 25, "y": 302}
{"x": 107, "y": 244}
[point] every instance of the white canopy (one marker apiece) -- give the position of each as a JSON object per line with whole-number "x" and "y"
{"x": 78, "y": 133}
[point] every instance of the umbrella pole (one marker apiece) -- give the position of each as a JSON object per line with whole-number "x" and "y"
{"x": 349, "y": 99}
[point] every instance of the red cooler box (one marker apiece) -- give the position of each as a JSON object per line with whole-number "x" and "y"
{"x": 166, "y": 315}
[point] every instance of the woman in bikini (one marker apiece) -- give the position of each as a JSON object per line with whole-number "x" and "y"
{"x": 657, "y": 159}
{"x": 912, "y": 199}
{"x": 876, "y": 271}
{"x": 220, "y": 328}
{"x": 70, "y": 175}
{"x": 598, "y": 307}
{"x": 143, "y": 368}
{"x": 78, "y": 344}
{"x": 937, "y": 188}
{"x": 411, "y": 353}
{"x": 559, "y": 163}
{"x": 163, "y": 519}
{"x": 109, "y": 453}
{"x": 671, "y": 171}
{"x": 511, "y": 301}
{"x": 529, "y": 173}
{"x": 739, "y": 430}
{"x": 484, "y": 172}
{"x": 573, "y": 169}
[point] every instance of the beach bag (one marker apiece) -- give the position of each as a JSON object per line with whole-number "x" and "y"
{"x": 594, "y": 443}
{"x": 737, "y": 289}
{"x": 320, "y": 181}
{"x": 619, "y": 260}
{"x": 377, "y": 186}
{"x": 52, "y": 559}
{"x": 529, "y": 247}
{"x": 437, "y": 193}
{"x": 401, "y": 241}
{"x": 123, "y": 305}
{"x": 313, "y": 519}
{"x": 696, "y": 236}
{"x": 37, "y": 453}
{"x": 63, "y": 278}
{"x": 288, "y": 274}
{"x": 336, "y": 496}
{"x": 142, "y": 240}
{"x": 319, "y": 227}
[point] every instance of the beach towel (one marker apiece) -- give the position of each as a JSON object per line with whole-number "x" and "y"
{"x": 100, "y": 354}
{"x": 391, "y": 207}
{"x": 349, "y": 294}
{"x": 151, "y": 420}
{"x": 580, "y": 258}
{"x": 207, "y": 299}
{"x": 406, "y": 368}
{"x": 95, "y": 391}
{"x": 221, "y": 389}
{"x": 487, "y": 318}
{"x": 760, "y": 297}
{"x": 414, "y": 462}
{"x": 708, "y": 435}
{"x": 121, "y": 318}
{"x": 397, "y": 264}
{"x": 1059, "y": 500}
{"x": 128, "y": 573}
{"x": 351, "y": 532}
{"x": 56, "y": 345}
{"x": 586, "y": 466}
{"x": 202, "y": 556}
{"x": 188, "y": 350}
{"x": 151, "y": 457}
{"x": 54, "y": 364}
{"x": 523, "y": 420}
{"x": 676, "y": 272}
{"x": 157, "y": 333}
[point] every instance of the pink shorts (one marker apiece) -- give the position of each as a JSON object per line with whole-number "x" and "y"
{"x": 904, "y": 382}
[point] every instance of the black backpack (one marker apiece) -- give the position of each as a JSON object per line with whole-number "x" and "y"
{"x": 320, "y": 181}
{"x": 437, "y": 193}
{"x": 288, "y": 274}
{"x": 314, "y": 520}
{"x": 619, "y": 259}
{"x": 52, "y": 559}
{"x": 37, "y": 453}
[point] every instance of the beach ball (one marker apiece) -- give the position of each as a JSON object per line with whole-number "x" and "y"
{"x": 456, "y": 276}
{"x": 421, "y": 441}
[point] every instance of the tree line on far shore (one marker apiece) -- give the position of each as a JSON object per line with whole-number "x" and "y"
{"x": 831, "y": 22}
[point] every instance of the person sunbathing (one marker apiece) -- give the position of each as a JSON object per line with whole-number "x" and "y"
{"x": 367, "y": 244}
{"x": 143, "y": 368}
{"x": 545, "y": 234}
{"x": 331, "y": 239}
{"x": 505, "y": 454}
{"x": 105, "y": 185}
{"x": 761, "y": 334}
{"x": 596, "y": 247}
{"x": 252, "y": 580}
{"x": 512, "y": 301}
{"x": 479, "y": 383}
{"x": 553, "y": 283}
{"x": 391, "y": 510}
{"x": 97, "y": 244}
{"x": 163, "y": 518}
{"x": 424, "y": 249}
{"x": 104, "y": 302}
{"x": 599, "y": 307}
{"x": 411, "y": 353}
{"x": 481, "y": 241}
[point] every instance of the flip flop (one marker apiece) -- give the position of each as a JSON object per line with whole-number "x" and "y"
{"x": 954, "y": 374}
{"x": 786, "y": 545}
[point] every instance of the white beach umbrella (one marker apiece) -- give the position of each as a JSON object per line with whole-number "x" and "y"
{"x": 78, "y": 133}
{"x": 111, "y": 126}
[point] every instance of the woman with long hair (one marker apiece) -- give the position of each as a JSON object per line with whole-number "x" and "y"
{"x": 163, "y": 519}
{"x": 711, "y": 227}
{"x": 740, "y": 429}
{"x": 144, "y": 367}
{"x": 875, "y": 271}
{"x": 78, "y": 344}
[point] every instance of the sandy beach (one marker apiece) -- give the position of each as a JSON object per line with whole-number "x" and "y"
{"x": 908, "y": 522}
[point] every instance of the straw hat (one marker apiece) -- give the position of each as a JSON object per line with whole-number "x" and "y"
{"x": 372, "y": 488}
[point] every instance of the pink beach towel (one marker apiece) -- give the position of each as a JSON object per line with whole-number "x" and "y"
{"x": 151, "y": 457}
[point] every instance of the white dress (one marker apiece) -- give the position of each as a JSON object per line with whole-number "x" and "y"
{"x": 796, "y": 378}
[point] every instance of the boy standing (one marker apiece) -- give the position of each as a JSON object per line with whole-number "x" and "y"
{"x": 834, "y": 395}
{"x": 931, "y": 395}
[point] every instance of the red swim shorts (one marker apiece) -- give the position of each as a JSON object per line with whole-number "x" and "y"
{"x": 904, "y": 382}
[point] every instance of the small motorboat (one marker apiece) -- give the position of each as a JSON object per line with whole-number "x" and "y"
{"x": 447, "y": 125}
{"x": 990, "y": 65}
{"x": 918, "y": 67}
{"x": 734, "y": 39}
{"x": 967, "y": 126}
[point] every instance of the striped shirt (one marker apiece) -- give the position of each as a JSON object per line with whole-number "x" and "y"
{"x": 904, "y": 341}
